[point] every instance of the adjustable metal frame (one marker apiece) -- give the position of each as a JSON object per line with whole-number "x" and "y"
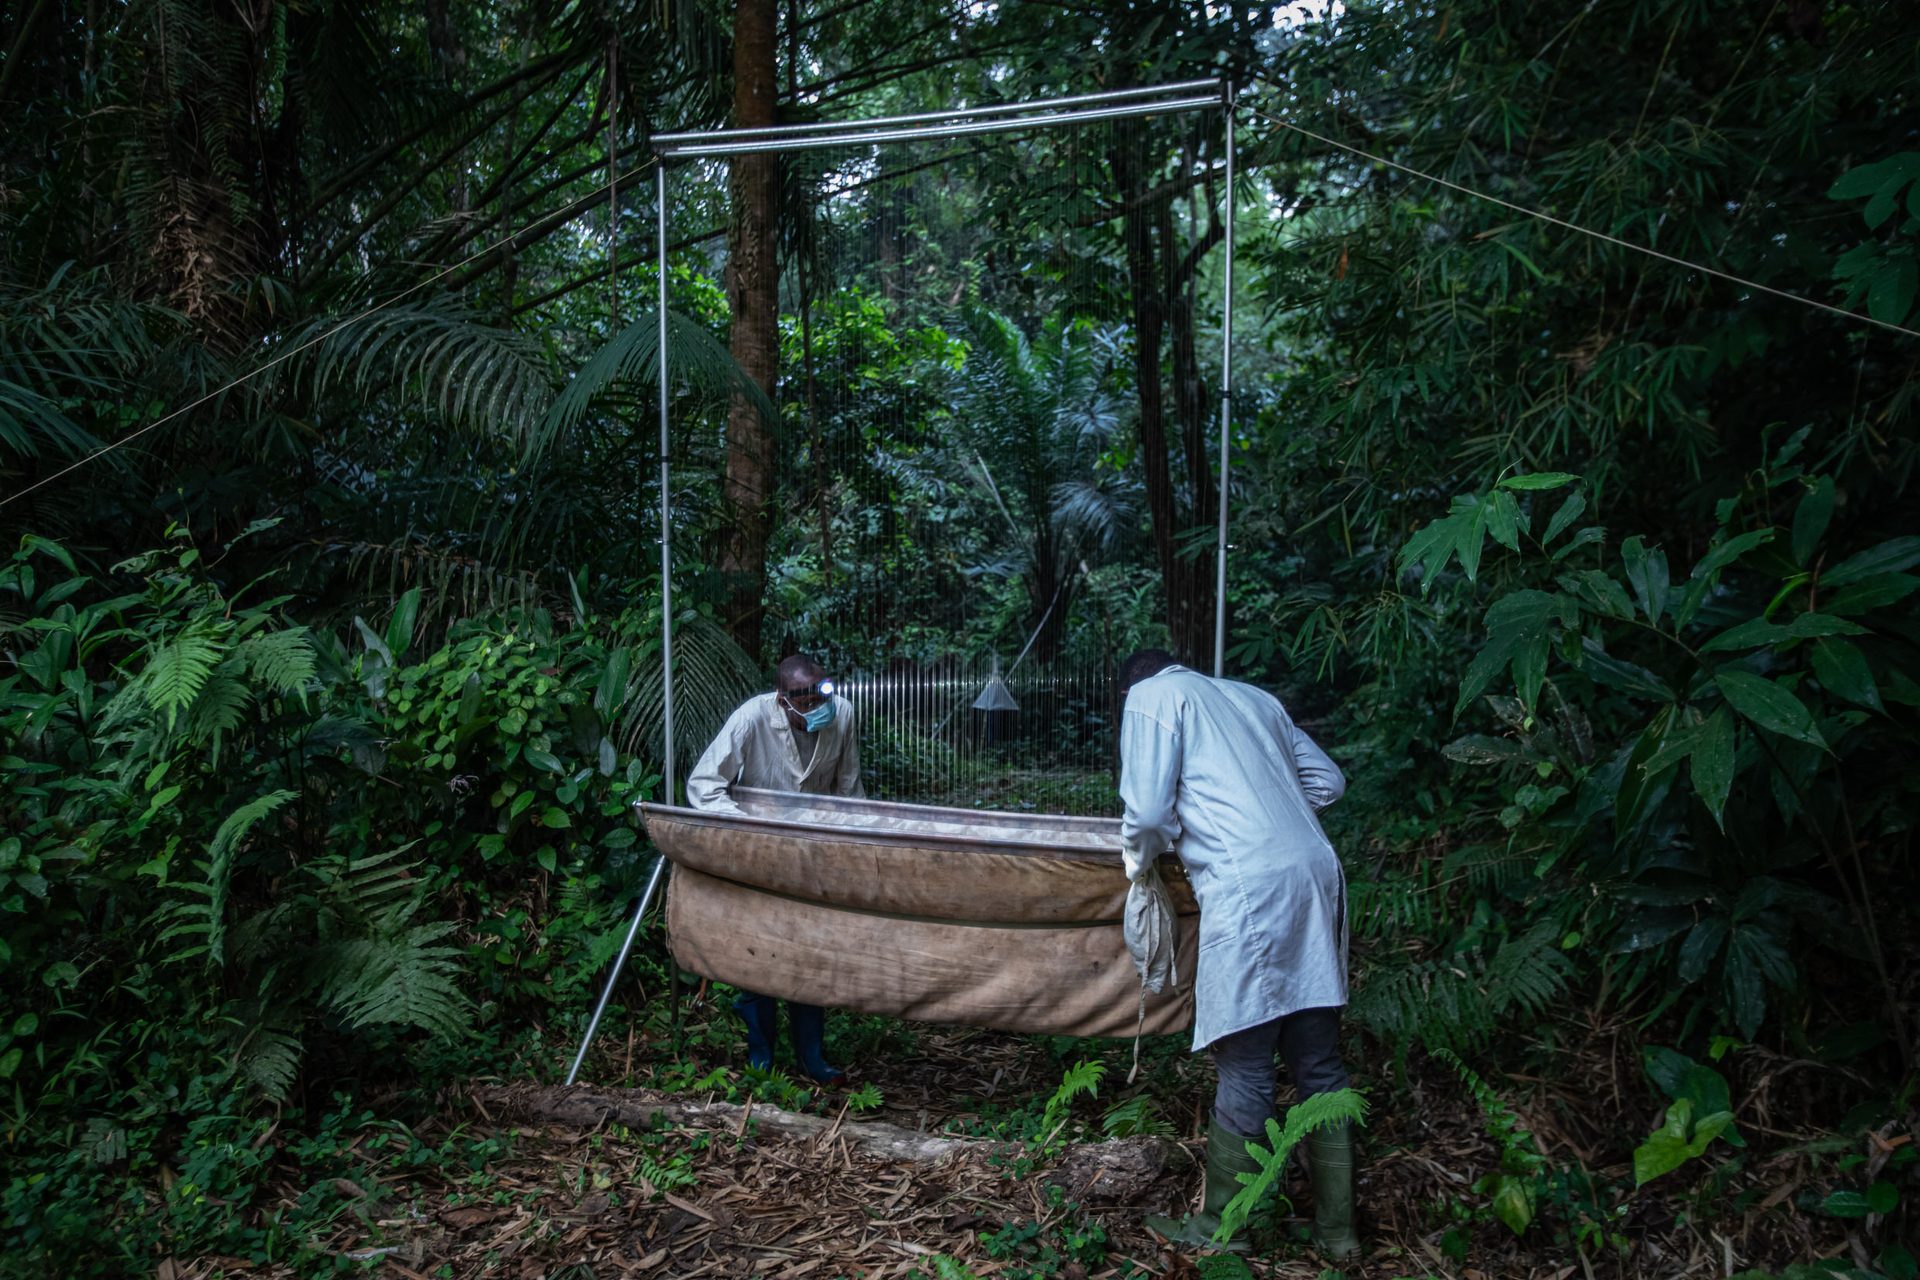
{"x": 1007, "y": 117}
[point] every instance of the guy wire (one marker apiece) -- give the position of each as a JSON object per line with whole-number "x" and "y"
{"x": 1586, "y": 231}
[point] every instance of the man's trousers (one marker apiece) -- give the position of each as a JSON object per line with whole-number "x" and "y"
{"x": 1307, "y": 1041}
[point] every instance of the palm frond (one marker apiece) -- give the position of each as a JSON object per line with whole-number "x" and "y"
{"x": 632, "y": 356}
{"x": 452, "y": 585}
{"x": 712, "y": 675}
{"x": 434, "y": 355}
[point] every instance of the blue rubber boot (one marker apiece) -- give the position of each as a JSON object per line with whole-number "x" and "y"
{"x": 762, "y": 1016}
{"x": 808, "y": 1025}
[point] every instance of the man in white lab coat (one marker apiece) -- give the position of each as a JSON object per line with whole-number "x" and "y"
{"x": 800, "y": 737}
{"x": 1218, "y": 772}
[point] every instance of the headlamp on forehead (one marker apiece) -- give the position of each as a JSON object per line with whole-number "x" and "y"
{"x": 823, "y": 689}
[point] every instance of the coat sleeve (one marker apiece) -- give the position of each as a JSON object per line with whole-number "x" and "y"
{"x": 847, "y": 782}
{"x": 712, "y": 779}
{"x": 1150, "y": 754}
{"x": 1320, "y": 777}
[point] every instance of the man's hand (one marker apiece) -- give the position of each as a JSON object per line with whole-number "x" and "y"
{"x": 1139, "y": 854}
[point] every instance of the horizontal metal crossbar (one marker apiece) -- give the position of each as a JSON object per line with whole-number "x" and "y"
{"x": 1010, "y": 124}
{"x": 665, "y": 141}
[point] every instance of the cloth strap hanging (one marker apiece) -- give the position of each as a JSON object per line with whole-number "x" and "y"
{"x": 1151, "y": 941}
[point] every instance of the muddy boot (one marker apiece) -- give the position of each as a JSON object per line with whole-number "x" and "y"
{"x": 807, "y": 1023}
{"x": 762, "y": 1016}
{"x": 1226, "y": 1158}
{"x": 1330, "y": 1171}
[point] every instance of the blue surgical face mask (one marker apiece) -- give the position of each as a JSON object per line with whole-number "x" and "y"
{"x": 820, "y": 717}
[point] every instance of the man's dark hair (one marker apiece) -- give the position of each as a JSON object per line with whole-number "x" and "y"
{"x": 798, "y": 669}
{"x": 1138, "y": 666}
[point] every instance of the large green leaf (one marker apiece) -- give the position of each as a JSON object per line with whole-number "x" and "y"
{"x": 1732, "y": 549}
{"x": 1757, "y": 632}
{"x": 1842, "y": 669}
{"x": 1676, "y": 1142}
{"x": 1678, "y": 1076}
{"x": 1639, "y": 784}
{"x": 1598, "y": 591}
{"x": 1519, "y": 634}
{"x": 1892, "y": 556}
{"x": 633, "y": 356}
{"x": 1890, "y": 296}
{"x": 1810, "y": 519}
{"x": 1869, "y": 179}
{"x": 1867, "y": 594}
{"x": 1629, "y": 677}
{"x": 1769, "y": 704}
{"x": 1647, "y": 571}
{"x": 1458, "y": 533}
{"x": 1712, "y": 764}
{"x": 400, "y": 627}
{"x": 1570, "y": 510}
{"x": 1504, "y": 519}
{"x": 1701, "y": 948}
{"x": 1539, "y": 480}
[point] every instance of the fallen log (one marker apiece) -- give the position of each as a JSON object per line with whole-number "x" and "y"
{"x": 1117, "y": 1171}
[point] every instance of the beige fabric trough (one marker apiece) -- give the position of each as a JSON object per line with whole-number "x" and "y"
{"x": 1009, "y": 921}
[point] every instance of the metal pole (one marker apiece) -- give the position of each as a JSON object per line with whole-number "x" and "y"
{"x": 666, "y": 631}
{"x": 667, "y": 793}
{"x": 1226, "y": 418}
{"x": 606, "y": 994}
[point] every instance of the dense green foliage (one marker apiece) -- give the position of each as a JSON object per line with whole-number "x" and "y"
{"x": 324, "y": 700}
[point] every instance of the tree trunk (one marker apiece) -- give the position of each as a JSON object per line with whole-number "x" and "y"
{"x": 1119, "y": 1170}
{"x": 1194, "y": 632}
{"x": 1185, "y": 582}
{"x": 753, "y": 273}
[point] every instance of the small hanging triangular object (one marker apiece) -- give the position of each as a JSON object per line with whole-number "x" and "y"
{"x": 996, "y": 696}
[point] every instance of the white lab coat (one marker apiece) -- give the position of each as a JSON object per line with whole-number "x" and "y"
{"x": 756, "y": 748}
{"x": 1216, "y": 770}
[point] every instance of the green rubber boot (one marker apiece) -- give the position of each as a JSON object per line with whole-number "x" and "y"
{"x": 1226, "y": 1158}
{"x": 1330, "y": 1171}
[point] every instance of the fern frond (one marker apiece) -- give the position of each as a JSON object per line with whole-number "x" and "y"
{"x": 206, "y": 912}
{"x": 1421, "y": 1002}
{"x": 1321, "y": 1111}
{"x": 401, "y": 979}
{"x": 178, "y": 670}
{"x": 1138, "y": 1115}
{"x": 1529, "y": 972}
{"x": 469, "y": 373}
{"x": 453, "y": 585}
{"x": 219, "y": 864}
{"x": 218, "y": 710}
{"x": 375, "y": 894}
{"x": 270, "y": 1060}
{"x": 282, "y": 660}
{"x": 1082, "y": 1077}
{"x": 1490, "y": 868}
